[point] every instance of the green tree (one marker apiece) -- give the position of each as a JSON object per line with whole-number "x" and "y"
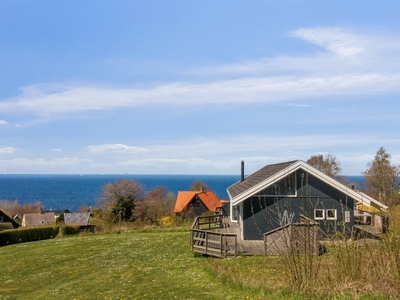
{"x": 119, "y": 198}
{"x": 327, "y": 164}
{"x": 382, "y": 178}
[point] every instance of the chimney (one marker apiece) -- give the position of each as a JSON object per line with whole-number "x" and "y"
{"x": 242, "y": 173}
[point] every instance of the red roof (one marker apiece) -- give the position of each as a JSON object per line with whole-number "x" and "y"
{"x": 208, "y": 198}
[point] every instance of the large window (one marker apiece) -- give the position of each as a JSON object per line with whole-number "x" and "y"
{"x": 284, "y": 187}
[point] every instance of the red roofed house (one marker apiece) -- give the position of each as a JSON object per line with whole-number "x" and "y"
{"x": 196, "y": 202}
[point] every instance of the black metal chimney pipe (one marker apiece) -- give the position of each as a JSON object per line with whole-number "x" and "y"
{"x": 242, "y": 173}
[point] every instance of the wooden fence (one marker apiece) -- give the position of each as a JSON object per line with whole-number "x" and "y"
{"x": 292, "y": 238}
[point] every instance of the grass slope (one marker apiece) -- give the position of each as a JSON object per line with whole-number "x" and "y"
{"x": 153, "y": 265}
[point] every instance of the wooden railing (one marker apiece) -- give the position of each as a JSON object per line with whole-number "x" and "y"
{"x": 209, "y": 242}
{"x": 208, "y": 222}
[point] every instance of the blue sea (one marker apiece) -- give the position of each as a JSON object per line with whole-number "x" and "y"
{"x": 73, "y": 191}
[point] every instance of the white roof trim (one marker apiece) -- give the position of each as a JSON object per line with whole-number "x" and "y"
{"x": 263, "y": 184}
{"x": 294, "y": 167}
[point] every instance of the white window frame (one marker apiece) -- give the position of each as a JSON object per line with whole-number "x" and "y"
{"x": 331, "y": 218}
{"x": 315, "y": 214}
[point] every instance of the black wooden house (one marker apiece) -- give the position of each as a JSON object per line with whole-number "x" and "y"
{"x": 285, "y": 193}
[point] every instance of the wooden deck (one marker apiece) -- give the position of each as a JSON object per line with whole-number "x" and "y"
{"x": 217, "y": 236}
{"x": 243, "y": 247}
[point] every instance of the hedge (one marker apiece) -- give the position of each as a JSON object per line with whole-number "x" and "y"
{"x": 8, "y": 237}
{"x": 5, "y": 226}
{"x": 69, "y": 230}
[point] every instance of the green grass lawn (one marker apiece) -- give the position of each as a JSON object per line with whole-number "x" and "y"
{"x": 160, "y": 265}
{"x": 152, "y": 265}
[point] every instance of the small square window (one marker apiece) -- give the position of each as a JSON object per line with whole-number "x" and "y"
{"x": 331, "y": 214}
{"x": 319, "y": 214}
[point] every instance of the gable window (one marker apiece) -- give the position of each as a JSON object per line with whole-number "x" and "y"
{"x": 1, "y": 218}
{"x": 319, "y": 214}
{"x": 285, "y": 187}
{"x": 331, "y": 214}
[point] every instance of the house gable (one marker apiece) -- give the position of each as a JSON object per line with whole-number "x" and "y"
{"x": 183, "y": 199}
{"x": 265, "y": 212}
{"x": 6, "y": 217}
{"x": 242, "y": 191}
{"x": 295, "y": 189}
{"x": 199, "y": 201}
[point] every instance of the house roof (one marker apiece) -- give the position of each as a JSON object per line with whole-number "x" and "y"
{"x": 38, "y": 219}
{"x": 11, "y": 218}
{"x": 256, "y": 178}
{"x": 77, "y": 218}
{"x": 208, "y": 198}
{"x": 269, "y": 174}
{"x": 6, "y": 213}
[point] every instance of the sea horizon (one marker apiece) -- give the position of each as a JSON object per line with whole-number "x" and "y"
{"x": 72, "y": 191}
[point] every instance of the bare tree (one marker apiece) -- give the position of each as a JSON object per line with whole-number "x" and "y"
{"x": 198, "y": 186}
{"x": 382, "y": 178}
{"x": 14, "y": 208}
{"x": 156, "y": 204}
{"x": 119, "y": 199}
{"x": 327, "y": 164}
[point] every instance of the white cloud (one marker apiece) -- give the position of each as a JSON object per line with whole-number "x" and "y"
{"x": 57, "y": 150}
{"x": 335, "y": 40}
{"x": 353, "y": 65}
{"x": 7, "y": 150}
{"x": 255, "y": 145}
{"x": 116, "y": 148}
{"x": 246, "y": 90}
{"x": 40, "y": 164}
{"x": 2, "y": 122}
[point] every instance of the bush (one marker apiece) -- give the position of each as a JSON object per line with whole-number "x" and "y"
{"x": 5, "y": 226}
{"x": 69, "y": 230}
{"x": 167, "y": 221}
{"x": 8, "y": 237}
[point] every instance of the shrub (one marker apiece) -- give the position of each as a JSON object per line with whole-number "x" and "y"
{"x": 8, "y": 237}
{"x": 5, "y": 226}
{"x": 69, "y": 230}
{"x": 166, "y": 221}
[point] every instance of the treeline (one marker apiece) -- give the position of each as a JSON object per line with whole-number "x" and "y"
{"x": 15, "y": 208}
{"x": 381, "y": 176}
{"x": 125, "y": 201}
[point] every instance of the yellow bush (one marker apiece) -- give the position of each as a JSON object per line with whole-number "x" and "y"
{"x": 166, "y": 221}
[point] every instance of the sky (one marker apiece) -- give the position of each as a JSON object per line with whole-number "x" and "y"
{"x": 196, "y": 87}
